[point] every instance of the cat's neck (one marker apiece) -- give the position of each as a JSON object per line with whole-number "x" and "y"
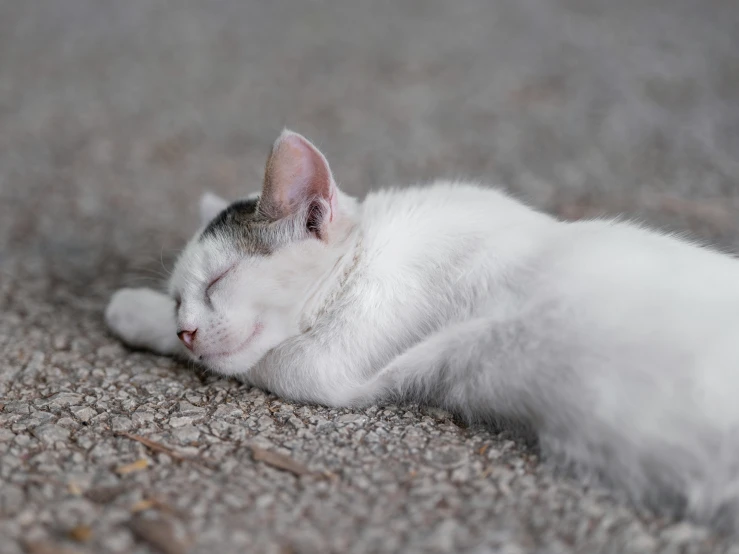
{"x": 345, "y": 256}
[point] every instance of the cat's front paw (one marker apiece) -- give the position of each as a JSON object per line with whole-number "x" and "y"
{"x": 143, "y": 318}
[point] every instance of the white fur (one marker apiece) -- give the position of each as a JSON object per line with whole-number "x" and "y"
{"x": 617, "y": 345}
{"x": 144, "y": 318}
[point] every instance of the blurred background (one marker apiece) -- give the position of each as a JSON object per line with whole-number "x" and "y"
{"x": 116, "y": 115}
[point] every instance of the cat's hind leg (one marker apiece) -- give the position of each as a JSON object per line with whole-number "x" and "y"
{"x": 144, "y": 318}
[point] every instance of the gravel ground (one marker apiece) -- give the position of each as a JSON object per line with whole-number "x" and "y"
{"x": 115, "y": 115}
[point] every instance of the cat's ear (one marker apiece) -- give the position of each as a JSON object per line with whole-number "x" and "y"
{"x": 297, "y": 177}
{"x": 210, "y": 206}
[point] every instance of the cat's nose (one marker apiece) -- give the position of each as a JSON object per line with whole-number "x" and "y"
{"x": 187, "y": 338}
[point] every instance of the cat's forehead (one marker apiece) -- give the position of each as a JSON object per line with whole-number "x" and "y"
{"x": 237, "y": 233}
{"x": 242, "y": 228}
{"x": 199, "y": 260}
{"x": 238, "y": 214}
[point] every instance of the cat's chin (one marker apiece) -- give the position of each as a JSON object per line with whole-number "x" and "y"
{"x": 268, "y": 333}
{"x": 235, "y": 364}
{"x": 232, "y": 366}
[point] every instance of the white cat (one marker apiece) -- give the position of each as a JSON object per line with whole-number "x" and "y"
{"x": 618, "y": 346}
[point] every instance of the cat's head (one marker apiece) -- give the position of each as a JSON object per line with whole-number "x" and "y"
{"x": 243, "y": 281}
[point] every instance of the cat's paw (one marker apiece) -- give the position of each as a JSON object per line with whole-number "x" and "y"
{"x": 143, "y": 318}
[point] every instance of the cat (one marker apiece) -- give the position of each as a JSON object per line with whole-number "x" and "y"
{"x": 616, "y": 345}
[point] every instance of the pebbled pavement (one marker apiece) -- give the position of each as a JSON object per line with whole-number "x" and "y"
{"x": 114, "y": 116}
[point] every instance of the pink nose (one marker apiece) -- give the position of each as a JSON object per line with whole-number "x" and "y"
{"x": 187, "y": 338}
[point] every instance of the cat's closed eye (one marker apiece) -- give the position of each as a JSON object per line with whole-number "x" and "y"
{"x": 216, "y": 280}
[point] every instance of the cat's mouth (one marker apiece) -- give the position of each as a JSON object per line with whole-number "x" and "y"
{"x": 256, "y": 331}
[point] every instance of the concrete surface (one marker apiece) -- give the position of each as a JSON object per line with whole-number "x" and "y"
{"x": 115, "y": 115}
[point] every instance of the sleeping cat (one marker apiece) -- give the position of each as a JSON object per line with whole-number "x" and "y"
{"x": 617, "y": 346}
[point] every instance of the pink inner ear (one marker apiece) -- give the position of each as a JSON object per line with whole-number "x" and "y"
{"x": 296, "y": 174}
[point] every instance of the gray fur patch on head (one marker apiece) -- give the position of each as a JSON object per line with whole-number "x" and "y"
{"x": 237, "y": 213}
{"x": 252, "y": 232}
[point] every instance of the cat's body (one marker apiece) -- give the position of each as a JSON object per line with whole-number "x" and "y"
{"x": 616, "y": 345}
